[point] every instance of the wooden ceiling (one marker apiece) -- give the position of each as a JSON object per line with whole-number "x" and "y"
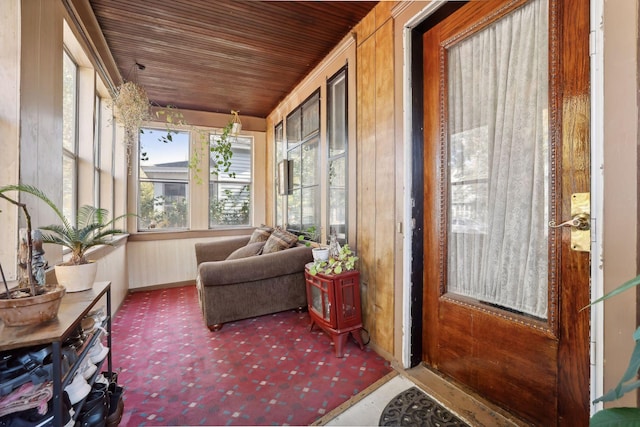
{"x": 223, "y": 55}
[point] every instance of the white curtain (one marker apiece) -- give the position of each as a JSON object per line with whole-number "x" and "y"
{"x": 498, "y": 162}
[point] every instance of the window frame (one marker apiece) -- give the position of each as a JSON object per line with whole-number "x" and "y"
{"x": 304, "y": 141}
{"x": 340, "y": 75}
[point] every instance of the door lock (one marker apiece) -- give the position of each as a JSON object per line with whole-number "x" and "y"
{"x": 580, "y": 222}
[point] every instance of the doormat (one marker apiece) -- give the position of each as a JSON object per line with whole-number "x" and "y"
{"x": 413, "y": 407}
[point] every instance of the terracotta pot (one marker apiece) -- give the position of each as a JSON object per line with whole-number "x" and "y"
{"x": 32, "y": 310}
{"x": 77, "y": 278}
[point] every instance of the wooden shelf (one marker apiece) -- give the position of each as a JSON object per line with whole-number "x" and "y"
{"x": 74, "y": 306}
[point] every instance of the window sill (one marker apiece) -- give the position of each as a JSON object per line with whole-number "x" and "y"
{"x": 146, "y": 236}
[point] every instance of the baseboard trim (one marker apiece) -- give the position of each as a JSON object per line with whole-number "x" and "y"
{"x": 163, "y": 286}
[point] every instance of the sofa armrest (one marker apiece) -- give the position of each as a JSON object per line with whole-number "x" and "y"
{"x": 259, "y": 267}
{"x": 219, "y": 250}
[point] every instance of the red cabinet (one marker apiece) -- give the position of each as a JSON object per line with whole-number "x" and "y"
{"x": 334, "y": 305}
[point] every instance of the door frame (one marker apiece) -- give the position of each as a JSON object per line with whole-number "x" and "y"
{"x": 412, "y": 286}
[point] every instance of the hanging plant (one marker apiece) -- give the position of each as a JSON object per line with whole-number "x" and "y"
{"x": 132, "y": 108}
{"x": 221, "y": 152}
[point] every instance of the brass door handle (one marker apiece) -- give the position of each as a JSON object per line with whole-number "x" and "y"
{"x": 581, "y": 221}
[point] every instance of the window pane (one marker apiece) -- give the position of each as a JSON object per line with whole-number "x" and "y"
{"x": 310, "y": 207}
{"x": 310, "y": 162}
{"x": 230, "y": 192}
{"x": 241, "y": 160}
{"x": 280, "y": 154}
{"x": 69, "y": 113}
{"x": 337, "y": 115}
{"x": 311, "y": 116}
{"x": 337, "y": 152}
{"x": 164, "y": 175}
{"x": 68, "y": 188}
{"x": 498, "y": 178}
{"x": 294, "y": 127}
{"x": 97, "y": 150}
{"x": 338, "y": 198}
{"x": 69, "y": 136}
{"x": 295, "y": 156}
{"x": 294, "y": 204}
{"x": 162, "y": 205}
{"x": 157, "y": 156}
{"x": 230, "y": 204}
{"x": 279, "y": 138}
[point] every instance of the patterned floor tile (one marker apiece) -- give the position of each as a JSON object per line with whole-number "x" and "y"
{"x": 269, "y": 370}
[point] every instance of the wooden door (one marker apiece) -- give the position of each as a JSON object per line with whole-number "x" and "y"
{"x": 506, "y": 145}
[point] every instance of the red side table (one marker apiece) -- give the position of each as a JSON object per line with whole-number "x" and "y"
{"x": 334, "y": 305}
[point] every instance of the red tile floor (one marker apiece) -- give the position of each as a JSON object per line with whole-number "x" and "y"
{"x": 269, "y": 370}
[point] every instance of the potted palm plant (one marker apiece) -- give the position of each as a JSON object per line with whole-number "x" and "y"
{"x": 32, "y": 301}
{"x": 91, "y": 228}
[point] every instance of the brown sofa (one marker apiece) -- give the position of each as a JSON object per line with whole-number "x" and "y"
{"x": 248, "y": 287}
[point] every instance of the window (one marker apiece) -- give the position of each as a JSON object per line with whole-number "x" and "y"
{"x": 230, "y": 191}
{"x": 69, "y": 136}
{"x": 96, "y": 150}
{"x": 163, "y": 181}
{"x": 280, "y": 174}
{"x": 106, "y": 159}
{"x": 337, "y": 138}
{"x": 303, "y": 150}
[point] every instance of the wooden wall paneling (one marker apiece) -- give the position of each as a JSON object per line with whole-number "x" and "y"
{"x": 382, "y": 12}
{"x": 113, "y": 267}
{"x": 366, "y": 179}
{"x": 365, "y": 28}
{"x": 385, "y": 187}
{"x": 9, "y": 128}
{"x": 41, "y": 109}
{"x": 161, "y": 262}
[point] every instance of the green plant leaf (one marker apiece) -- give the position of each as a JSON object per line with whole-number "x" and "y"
{"x": 616, "y": 417}
{"x": 626, "y": 285}
{"x": 630, "y": 374}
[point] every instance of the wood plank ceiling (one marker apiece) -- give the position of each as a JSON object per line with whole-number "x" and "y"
{"x": 223, "y": 55}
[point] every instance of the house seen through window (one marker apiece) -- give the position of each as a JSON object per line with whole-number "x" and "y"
{"x": 230, "y": 191}
{"x": 163, "y": 181}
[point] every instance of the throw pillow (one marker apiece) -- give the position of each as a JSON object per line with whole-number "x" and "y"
{"x": 250, "y": 249}
{"x": 279, "y": 240}
{"x": 261, "y": 234}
